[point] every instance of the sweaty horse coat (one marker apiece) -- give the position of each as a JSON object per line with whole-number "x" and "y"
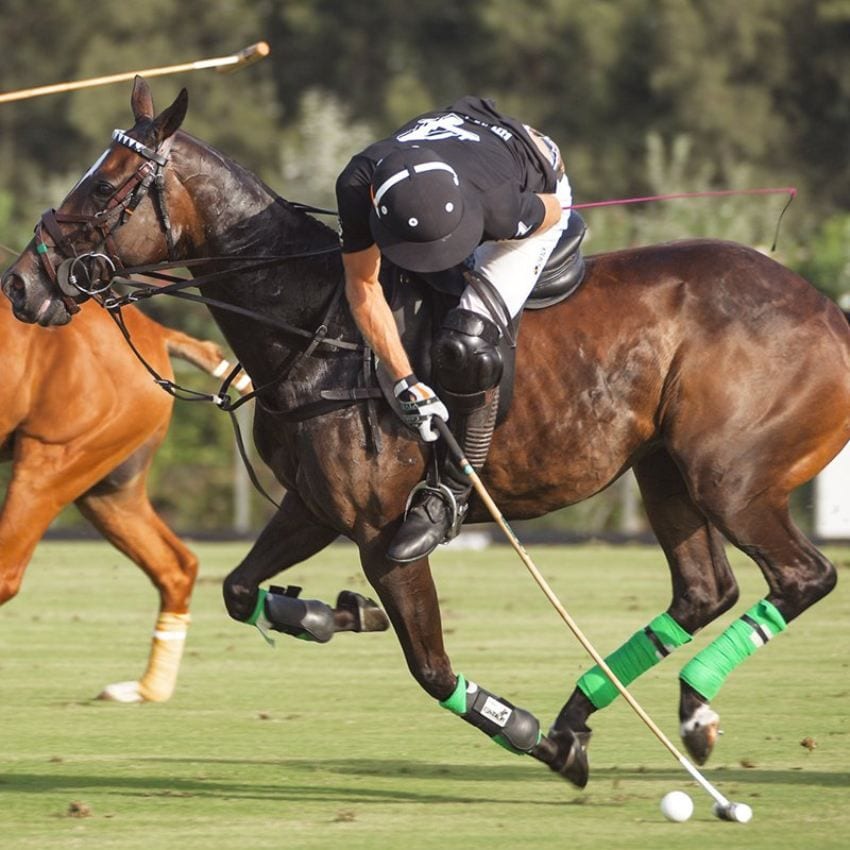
{"x": 721, "y": 377}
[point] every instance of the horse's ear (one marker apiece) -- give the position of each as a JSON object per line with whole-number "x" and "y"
{"x": 170, "y": 119}
{"x": 141, "y": 101}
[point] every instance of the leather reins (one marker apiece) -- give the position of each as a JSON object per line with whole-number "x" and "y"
{"x": 92, "y": 274}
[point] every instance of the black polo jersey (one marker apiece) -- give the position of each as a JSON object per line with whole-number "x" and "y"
{"x": 491, "y": 152}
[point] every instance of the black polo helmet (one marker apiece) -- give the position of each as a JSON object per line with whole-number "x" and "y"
{"x": 423, "y": 218}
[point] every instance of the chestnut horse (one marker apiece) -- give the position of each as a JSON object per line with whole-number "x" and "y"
{"x": 81, "y": 421}
{"x": 720, "y": 377}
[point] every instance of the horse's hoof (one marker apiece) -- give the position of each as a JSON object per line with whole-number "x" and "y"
{"x": 126, "y": 692}
{"x": 699, "y": 733}
{"x": 565, "y": 752}
{"x": 368, "y": 616}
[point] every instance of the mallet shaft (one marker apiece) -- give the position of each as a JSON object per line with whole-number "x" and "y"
{"x": 248, "y": 56}
{"x": 494, "y": 511}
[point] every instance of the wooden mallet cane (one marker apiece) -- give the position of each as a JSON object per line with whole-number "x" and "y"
{"x": 723, "y": 808}
{"x": 224, "y": 64}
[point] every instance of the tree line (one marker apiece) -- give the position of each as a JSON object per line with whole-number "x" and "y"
{"x": 644, "y": 97}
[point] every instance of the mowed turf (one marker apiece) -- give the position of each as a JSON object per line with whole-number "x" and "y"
{"x": 335, "y": 746}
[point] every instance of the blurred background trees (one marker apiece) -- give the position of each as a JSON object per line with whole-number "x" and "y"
{"x": 644, "y": 96}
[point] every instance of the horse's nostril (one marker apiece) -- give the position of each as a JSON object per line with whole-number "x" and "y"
{"x": 13, "y": 287}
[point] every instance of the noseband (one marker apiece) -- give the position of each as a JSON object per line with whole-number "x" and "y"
{"x": 82, "y": 275}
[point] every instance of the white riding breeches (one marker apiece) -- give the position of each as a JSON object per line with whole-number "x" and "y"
{"x": 513, "y": 266}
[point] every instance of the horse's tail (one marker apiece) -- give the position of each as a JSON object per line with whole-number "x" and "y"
{"x": 204, "y": 354}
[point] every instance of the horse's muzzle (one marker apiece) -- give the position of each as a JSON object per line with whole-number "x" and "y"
{"x": 47, "y": 312}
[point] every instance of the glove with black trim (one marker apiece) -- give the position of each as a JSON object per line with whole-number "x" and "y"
{"x": 418, "y": 404}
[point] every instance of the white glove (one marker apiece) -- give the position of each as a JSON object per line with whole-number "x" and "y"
{"x": 418, "y": 404}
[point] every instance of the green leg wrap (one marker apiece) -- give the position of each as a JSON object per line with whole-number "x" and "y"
{"x": 259, "y": 619}
{"x": 513, "y": 728}
{"x": 643, "y": 650}
{"x": 707, "y": 670}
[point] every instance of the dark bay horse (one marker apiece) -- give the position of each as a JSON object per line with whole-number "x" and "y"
{"x": 81, "y": 421}
{"x": 720, "y": 377}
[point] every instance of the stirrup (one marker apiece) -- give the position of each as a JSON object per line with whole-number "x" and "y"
{"x": 441, "y": 491}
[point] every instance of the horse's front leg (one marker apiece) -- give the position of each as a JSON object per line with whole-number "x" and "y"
{"x": 408, "y": 594}
{"x": 293, "y": 535}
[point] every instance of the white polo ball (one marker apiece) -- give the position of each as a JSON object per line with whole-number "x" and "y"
{"x": 677, "y": 806}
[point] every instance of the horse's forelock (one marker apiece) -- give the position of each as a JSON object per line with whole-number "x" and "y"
{"x": 144, "y": 131}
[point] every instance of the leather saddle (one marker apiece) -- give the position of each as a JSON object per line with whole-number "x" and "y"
{"x": 564, "y": 270}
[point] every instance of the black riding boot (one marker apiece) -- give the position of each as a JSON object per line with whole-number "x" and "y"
{"x": 436, "y": 510}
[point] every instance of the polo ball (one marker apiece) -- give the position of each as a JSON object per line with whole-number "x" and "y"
{"x": 677, "y": 806}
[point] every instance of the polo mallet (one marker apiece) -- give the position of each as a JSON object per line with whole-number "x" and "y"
{"x": 723, "y": 808}
{"x": 224, "y": 64}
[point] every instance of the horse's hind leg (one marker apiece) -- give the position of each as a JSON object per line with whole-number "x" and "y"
{"x": 703, "y": 588}
{"x": 120, "y": 509}
{"x": 797, "y": 574}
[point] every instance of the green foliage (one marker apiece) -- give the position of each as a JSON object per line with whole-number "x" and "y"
{"x": 827, "y": 260}
{"x": 644, "y": 96}
{"x": 315, "y": 148}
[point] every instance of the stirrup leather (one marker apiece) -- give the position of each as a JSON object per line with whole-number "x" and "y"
{"x": 441, "y": 491}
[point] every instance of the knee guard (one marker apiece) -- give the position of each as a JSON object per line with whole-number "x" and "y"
{"x": 465, "y": 354}
{"x": 513, "y": 728}
{"x": 281, "y": 609}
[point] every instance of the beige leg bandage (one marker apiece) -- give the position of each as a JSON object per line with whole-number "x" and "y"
{"x": 169, "y": 638}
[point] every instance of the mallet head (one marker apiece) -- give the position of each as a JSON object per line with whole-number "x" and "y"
{"x": 248, "y": 56}
{"x": 735, "y": 812}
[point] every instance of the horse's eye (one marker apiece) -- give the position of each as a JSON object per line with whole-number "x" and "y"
{"x": 103, "y": 189}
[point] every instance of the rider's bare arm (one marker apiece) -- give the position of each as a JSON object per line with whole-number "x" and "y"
{"x": 552, "y": 203}
{"x": 371, "y": 311}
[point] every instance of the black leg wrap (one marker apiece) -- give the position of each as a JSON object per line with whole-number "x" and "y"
{"x": 307, "y": 619}
{"x": 513, "y": 728}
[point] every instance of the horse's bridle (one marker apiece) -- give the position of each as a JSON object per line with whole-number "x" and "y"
{"x": 82, "y": 275}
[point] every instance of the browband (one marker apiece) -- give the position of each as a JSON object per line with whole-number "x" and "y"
{"x": 135, "y": 145}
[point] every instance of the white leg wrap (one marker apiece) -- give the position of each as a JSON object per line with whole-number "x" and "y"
{"x": 243, "y": 384}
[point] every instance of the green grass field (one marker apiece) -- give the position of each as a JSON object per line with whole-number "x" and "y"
{"x": 334, "y": 746}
